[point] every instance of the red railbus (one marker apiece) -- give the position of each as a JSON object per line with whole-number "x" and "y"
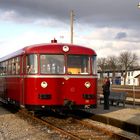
{"x": 50, "y": 76}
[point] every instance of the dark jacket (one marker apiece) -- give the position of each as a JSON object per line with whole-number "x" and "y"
{"x": 106, "y": 88}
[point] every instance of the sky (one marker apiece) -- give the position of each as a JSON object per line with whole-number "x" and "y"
{"x": 107, "y": 26}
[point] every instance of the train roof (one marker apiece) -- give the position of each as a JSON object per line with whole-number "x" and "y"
{"x": 51, "y": 48}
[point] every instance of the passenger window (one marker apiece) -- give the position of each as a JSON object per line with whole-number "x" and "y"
{"x": 17, "y": 62}
{"x": 6, "y": 67}
{"x": 13, "y": 67}
{"x": 2, "y": 68}
{"x": 9, "y": 67}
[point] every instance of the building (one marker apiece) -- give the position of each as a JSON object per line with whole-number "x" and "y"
{"x": 132, "y": 77}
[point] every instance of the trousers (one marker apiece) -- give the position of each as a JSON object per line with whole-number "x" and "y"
{"x": 106, "y": 101}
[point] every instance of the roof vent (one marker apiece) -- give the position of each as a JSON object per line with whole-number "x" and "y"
{"x": 54, "y": 41}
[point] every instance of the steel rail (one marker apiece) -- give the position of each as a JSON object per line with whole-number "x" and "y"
{"x": 85, "y": 123}
{"x": 30, "y": 115}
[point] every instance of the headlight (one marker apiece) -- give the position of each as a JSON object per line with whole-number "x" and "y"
{"x": 87, "y": 84}
{"x": 65, "y": 48}
{"x": 44, "y": 84}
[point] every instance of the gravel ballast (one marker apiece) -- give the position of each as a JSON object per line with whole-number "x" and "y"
{"x": 16, "y": 127}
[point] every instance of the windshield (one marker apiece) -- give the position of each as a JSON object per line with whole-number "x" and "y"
{"x": 78, "y": 64}
{"x": 52, "y": 64}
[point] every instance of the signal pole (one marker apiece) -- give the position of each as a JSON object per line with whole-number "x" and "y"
{"x": 71, "y": 25}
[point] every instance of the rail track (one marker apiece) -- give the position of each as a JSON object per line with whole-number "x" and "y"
{"x": 73, "y": 128}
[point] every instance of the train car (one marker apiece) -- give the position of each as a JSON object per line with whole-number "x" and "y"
{"x": 50, "y": 76}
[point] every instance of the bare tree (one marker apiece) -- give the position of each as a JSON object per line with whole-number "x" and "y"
{"x": 102, "y": 63}
{"x": 112, "y": 62}
{"x": 127, "y": 60}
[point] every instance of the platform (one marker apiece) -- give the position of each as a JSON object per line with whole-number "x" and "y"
{"x": 126, "y": 118}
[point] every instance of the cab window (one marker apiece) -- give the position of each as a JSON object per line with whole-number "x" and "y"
{"x": 31, "y": 64}
{"x": 78, "y": 64}
{"x": 52, "y": 64}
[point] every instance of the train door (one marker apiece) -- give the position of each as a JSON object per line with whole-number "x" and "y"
{"x": 3, "y": 93}
{"x": 22, "y": 71}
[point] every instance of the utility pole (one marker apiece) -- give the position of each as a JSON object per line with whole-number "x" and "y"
{"x": 71, "y": 24}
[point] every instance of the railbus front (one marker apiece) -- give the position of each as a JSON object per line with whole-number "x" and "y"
{"x": 50, "y": 76}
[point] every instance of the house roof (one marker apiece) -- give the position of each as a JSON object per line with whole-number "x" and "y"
{"x": 137, "y": 76}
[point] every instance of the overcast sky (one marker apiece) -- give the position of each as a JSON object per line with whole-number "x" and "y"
{"x": 107, "y": 26}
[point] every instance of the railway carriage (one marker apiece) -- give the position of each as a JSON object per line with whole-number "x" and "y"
{"x": 50, "y": 76}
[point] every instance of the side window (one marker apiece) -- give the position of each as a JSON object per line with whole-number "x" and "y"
{"x": 0, "y": 68}
{"x": 94, "y": 65}
{"x": 13, "y": 67}
{"x": 17, "y": 64}
{"x": 6, "y": 67}
{"x": 31, "y": 64}
{"x": 9, "y": 67}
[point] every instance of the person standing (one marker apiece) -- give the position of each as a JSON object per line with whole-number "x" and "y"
{"x": 106, "y": 92}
